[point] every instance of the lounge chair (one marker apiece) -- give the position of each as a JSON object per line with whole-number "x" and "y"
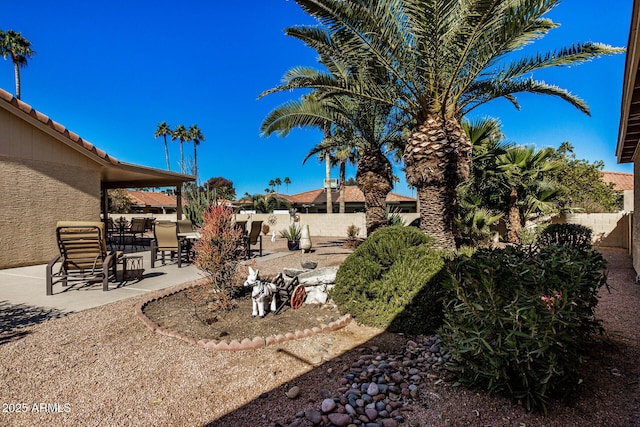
{"x": 254, "y": 237}
{"x": 83, "y": 255}
{"x": 166, "y": 240}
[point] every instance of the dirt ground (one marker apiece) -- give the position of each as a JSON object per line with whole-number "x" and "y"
{"x": 189, "y": 312}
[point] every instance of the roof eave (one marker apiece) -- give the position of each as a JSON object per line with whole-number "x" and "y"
{"x": 629, "y": 130}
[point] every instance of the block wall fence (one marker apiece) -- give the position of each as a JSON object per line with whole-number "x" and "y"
{"x": 609, "y": 229}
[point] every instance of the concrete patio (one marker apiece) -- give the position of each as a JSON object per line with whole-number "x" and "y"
{"x": 25, "y": 286}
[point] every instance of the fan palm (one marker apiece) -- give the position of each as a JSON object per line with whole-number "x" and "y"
{"x": 19, "y": 49}
{"x": 195, "y": 135}
{"x": 181, "y": 134}
{"x": 521, "y": 171}
{"x": 443, "y": 58}
{"x": 163, "y": 130}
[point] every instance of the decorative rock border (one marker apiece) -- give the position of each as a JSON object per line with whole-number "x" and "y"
{"x": 233, "y": 345}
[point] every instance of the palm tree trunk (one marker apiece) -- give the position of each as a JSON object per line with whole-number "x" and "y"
{"x": 327, "y": 161}
{"x": 513, "y": 227}
{"x": 374, "y": 178}
{"x": 436, "y": 215}
{"x": 16, "y": 69}
{"x": 181, "y": 158}
{"x": 166, "y": 152}
{"x": 195, "y": 162}
{"x": 327, "y": 182}
{"x": 343, "y": 173}
{"x": 437, "y": 158}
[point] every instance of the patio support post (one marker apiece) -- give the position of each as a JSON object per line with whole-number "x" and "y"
{"x": 179, "y": 201}
{"x": 104, "y": 203}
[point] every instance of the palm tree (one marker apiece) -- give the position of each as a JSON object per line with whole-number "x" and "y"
{"x": 163, "y": 130}
{"x": 278, "y": 183}
{"x": 341, "y": 157}
{"x": 182, "y": 134}
{"x": 443, "y": 59}
{"x": 521, "y": 170}
{"x": 287, "y": 181}
{"x": 195, "y": 135}
{"x": 13, "y": 44}
{"x": 375, "y": 128}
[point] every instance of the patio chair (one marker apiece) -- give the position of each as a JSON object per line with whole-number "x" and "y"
{"x": 242, "y": 226}
{"x": 148, "y": 223}
{"x": 185, "y": 226}
{"x": 166, "y": 240}
{"x": 254, "y": 237}
{"x": 83, "y": 255}
{"x": 137, "y": 230}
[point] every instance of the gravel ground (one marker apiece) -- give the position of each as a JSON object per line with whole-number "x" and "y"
{"x": 103, "y": 367}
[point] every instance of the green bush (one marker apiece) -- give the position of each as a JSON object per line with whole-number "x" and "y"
{"x": 575, "y": 235}
{"x": 518, "y": 320}
{"x": 391, "y": 281}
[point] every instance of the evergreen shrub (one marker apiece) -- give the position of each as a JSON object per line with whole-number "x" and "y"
{"x": 390, "y": 281}
{"x": 518, "y": 320}
{"x": 574, "y": 235}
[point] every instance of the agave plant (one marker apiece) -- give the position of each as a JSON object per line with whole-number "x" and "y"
{"x": 292, "y": 233}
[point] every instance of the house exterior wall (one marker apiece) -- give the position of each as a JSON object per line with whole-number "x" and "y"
{"x": 635, "y": 239}
{"x": 42, "y": 181}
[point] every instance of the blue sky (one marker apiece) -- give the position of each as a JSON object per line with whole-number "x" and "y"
{"x": 111, "y": 71}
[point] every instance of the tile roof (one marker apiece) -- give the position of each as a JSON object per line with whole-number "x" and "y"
{"x": 621, "y": 180}
{"x": 24, "y": 108}
{"x": 352, "y": 194}
{"x": 154, "y": 199}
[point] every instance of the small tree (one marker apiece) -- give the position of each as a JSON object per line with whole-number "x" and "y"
{"x": 218, "y": 251}
{"x": 118, "y": 201}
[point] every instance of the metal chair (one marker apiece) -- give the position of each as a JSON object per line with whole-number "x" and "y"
{"x": 254, "y": 237}
{"x": 166, "y": 240}
{"x": 83, "y": 255}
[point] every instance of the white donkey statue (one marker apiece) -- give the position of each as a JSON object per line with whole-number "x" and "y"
{"x": 262, "y": 292}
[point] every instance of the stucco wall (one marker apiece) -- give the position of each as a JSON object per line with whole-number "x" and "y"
{"x": 635, "y": 245}
{"x": 42, "y": 181}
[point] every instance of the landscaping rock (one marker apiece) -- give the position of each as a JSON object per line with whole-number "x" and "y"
{"x": 293, "y": 392}
{"x": 320, "y": 276}
{"x": 293, "y": 272}
{"x": 378, "y": 385}
{"x": 309, "y": 265}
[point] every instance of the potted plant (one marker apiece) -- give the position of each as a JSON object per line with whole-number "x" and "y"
{"x": 292, "y": 234}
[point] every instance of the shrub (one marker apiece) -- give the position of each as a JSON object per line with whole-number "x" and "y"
{"x": 575, "y": 235}
{"x": 390, "y": 281}
{"x": 219, "y": 249}
{"x": 518, "y": 320}
{"x": 529, "y": 236}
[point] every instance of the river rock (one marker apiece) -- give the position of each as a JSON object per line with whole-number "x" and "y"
{"x": 340, "y": 420}
{"x": 328, "y": 405}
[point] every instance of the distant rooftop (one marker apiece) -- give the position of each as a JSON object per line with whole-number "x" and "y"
{"x": 621, "y": 180}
